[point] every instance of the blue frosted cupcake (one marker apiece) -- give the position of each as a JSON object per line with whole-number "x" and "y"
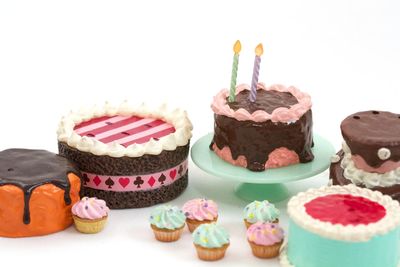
{"x": 211, "y": 241}
{"x": 260, "y": 211}
{"x": 167, "y": 222}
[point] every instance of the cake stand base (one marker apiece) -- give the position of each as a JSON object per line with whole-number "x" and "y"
{"x": 271, "y": 192}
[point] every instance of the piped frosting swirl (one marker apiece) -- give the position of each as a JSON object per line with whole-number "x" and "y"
{"x": 90, "y": 208}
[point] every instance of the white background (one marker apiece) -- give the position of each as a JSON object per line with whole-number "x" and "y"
{"x": 61, "y": 55}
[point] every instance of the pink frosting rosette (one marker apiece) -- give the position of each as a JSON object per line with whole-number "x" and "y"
{"x": 265, "y": 234}
{"x": 282, "y": 114}
{"x": 90, "y": 208}
{"x": 200, "y": 209}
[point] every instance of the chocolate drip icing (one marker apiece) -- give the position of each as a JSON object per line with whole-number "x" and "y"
{"x": 29, "y": 169}
{"x": 256, "y": 140}
{"x": 336, "y": 173}
{"x": 368, "y": 131}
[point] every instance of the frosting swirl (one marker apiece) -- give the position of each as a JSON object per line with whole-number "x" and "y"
{"x": 167, "y": 217}
{"x": 90, "y": 208}
{"x": 265, "y": 234}
{"x": 210, "y": 235}
{"x": 200, "y": 209}
{"x": 260, "y": 211}
{"x": 282, "y": 114}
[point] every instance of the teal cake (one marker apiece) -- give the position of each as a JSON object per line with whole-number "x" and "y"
{"x": 342, "y": 226}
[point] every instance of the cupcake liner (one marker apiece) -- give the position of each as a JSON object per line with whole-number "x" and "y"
{"x": 193, "y": 224}
{"x": 265, "y": 252}
{"x": 211, "y": 254}
{"x": 88, "y": 226}
{"x": 166, "y": 235}
{"x": 248, "y": 224}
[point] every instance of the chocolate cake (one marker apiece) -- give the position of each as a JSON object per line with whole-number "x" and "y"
{"x": 131, "y": 157}
{"x": 31, "y": 183}
{"x": 370, "y": 155}
{"x": 274, "y": 131}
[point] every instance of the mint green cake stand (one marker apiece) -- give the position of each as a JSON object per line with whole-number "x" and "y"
{"x": 267, "y": 184}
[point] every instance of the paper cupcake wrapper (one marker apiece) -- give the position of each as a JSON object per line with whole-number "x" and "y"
{"x": 248, "y": 224}
{"x": 211, "y": 254}
{"x": 265, "y": 252}
{"x": 193, "y": 224}
{"x": 166, "y": 235}
{"x": 87, "y": 226}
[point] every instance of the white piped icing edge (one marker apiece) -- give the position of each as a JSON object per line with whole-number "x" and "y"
{"x": 368, "y": 179}
{"x": 281, "y": 114}
{"x": 350, "y": 233}
{"x": 283, "y": 257}
{"x": 177, "y": 117}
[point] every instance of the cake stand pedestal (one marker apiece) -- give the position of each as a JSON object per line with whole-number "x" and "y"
{"x": 267, "y": 184}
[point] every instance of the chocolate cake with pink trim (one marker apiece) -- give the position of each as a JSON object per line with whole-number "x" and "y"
{"x": 274, "y": 131}
{"x": 370, "y": 155}
{"x": 130, "y": 156}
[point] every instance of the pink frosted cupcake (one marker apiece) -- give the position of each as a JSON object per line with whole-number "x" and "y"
{"x": 199, "y": 211}
{"x": 265, "y": 239}
{"x": 90, "y": 215}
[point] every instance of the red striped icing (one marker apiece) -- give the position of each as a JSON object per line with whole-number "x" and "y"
{"x": 125, "y": 130}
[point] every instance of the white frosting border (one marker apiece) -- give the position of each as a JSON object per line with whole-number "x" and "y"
{"x": 177, "y": 117}
{"x": 283, "y": 257}
{"x": 368, "y": 179}
{"x": 360, "y": 233}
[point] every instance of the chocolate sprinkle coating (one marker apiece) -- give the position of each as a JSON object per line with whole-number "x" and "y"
{"x": 128, "y": 166}
{"x": 337, "y": 176}
{"x": 140, "y": 199}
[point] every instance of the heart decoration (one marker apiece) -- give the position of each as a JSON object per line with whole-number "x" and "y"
{"x": 123, "y": 181}
{"x": 172, "y": 174}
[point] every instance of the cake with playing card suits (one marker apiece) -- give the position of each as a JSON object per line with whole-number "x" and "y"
{"x": 130, "y": 156}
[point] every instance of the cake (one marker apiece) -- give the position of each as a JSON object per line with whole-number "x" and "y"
{"x": 370, "y": 155}
{"x": 200, "y": 211}
{"x": 37, "y": 191}
{"x": 211, "y": 241}
{"x": 274, "y": 131}
{"x": 265, "y": 239}
{"x": 260, "y": 211}
{"x": 129, "y": 156}
{"x": 344, "y": 226}
{"x": 90, "y": 215}
{"x": 168, "y": 223}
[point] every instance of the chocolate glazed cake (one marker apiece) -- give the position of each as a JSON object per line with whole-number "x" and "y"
{"x": 370, "y": 155}
{"x": 274, "y": 131}
{"x": 131, "y": 157}
{"x": 41, "y": 176}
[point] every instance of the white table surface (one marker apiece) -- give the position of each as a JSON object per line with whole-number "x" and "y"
{"x": 61, "y": 55}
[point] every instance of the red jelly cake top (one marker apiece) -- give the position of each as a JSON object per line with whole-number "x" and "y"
{"x": 346, "y": 213}
{"x": 125, "y": 130}
{"x": 345, "y": 209}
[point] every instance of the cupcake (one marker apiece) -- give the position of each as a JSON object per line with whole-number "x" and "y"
{"x": 265, "y": 239}
{"x": 167, "y": 222}
{"x": 90, "y": 215}
{"x": 211, "y": 241}
{"x": 260, "y": 211}
{"x": 199, "y": 211}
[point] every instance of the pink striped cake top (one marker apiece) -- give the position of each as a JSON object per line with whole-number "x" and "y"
{"x": 125, "y": 130}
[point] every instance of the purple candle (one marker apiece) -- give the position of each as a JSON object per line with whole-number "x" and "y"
{"x": 256, "y": 71}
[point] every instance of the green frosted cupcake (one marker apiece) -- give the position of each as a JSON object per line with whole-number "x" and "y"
{"x": 260, "y": 211}
{"x": 211, "y": 241}
{"x": 167, "y": 222}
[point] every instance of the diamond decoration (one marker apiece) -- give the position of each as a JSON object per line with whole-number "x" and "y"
{"x": 151, "y": 181}
{"x": 97, "y": 180}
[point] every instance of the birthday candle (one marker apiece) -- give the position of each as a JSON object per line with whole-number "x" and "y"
{"x": 256, "y": 71}
{"x": 236, "y": 49}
